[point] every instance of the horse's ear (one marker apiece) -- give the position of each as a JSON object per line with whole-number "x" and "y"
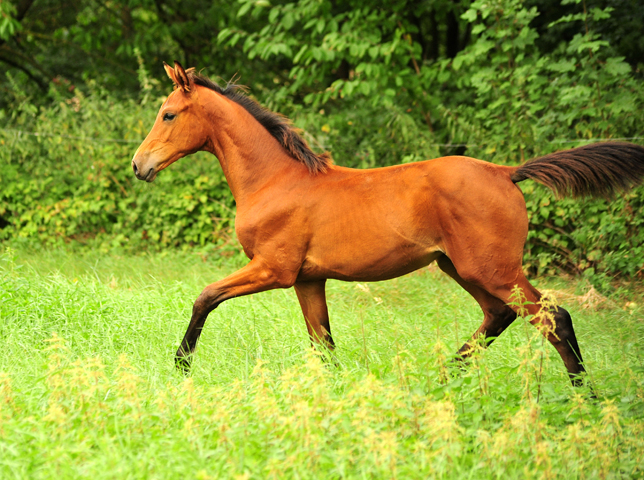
{"x": 184, "y": 81}
{"x": 170, "y": 72}
{"x": 179, "y": 76}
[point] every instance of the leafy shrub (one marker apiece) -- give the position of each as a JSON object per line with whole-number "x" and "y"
{"x": 501, "y": 98}
{"x": 66, "y": 175}
{"x": 525, "y": 103}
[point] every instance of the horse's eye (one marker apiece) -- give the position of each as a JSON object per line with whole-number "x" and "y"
{"x": 168, "y": 116}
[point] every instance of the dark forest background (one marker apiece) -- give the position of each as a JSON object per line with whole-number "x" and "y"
{"x": 373, "y": 83}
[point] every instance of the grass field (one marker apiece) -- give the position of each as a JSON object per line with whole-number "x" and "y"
{"x": 88, "y": 388}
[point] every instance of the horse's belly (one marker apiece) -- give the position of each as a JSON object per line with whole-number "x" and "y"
{"x": 367, "y": 266}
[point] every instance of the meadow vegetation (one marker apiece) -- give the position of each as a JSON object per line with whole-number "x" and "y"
{"x": 88, "y": 387}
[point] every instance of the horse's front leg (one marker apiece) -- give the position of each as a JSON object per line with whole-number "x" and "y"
{"x": 312, "y": 298}
{"x": 255, "y": 277}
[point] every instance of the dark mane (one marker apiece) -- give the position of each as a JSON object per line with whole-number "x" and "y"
{"x": 277, "y": 125}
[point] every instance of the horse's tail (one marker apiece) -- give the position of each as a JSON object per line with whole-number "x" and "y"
{"x": 597, "y": 170}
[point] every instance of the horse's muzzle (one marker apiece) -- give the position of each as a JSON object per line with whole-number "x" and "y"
{"x": 144, "y": 173}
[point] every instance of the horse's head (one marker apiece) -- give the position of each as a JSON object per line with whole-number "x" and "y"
{"x": 179, "y": 129}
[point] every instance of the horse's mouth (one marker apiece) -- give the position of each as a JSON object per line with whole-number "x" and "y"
{"x": 148, "y": 175}
{"x": 152, "y": 174}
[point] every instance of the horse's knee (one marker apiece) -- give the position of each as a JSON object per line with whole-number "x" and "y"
{"x": 207, "y": 301}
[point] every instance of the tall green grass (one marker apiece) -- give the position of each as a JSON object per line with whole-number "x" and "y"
{"x": 88, "y": 388}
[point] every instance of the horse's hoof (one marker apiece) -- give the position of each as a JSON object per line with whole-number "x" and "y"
{"x": 458, "y": 365}
{"x": 183, "y": 364}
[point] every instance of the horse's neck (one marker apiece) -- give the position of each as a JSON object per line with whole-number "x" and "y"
{"x": 250, "y": 156}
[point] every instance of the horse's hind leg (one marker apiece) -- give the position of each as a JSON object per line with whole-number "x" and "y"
{"x": 497, "y": 315}
{"x": 566, "y": 344}
{"x": 312, "y": 298}
{"x": 561, "y": 335}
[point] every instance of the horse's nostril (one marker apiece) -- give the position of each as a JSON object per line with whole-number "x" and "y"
{"x": 136, "y": 170}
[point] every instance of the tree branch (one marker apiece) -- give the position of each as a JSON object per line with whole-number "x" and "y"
{"x": 35, "y": 79}
{"x": 13, "y": 54}
{"x": 50, "y": 38}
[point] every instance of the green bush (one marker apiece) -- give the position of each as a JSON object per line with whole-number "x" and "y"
{"x": 66, "y": 174}
{"x": 528, "y": 104}
{"x": 501, "y": 98}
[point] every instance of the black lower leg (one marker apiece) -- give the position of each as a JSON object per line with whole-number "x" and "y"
{"x": 183, "y": 357}
{"x": 495, "y": 322}
{"x": 565, "y": 341}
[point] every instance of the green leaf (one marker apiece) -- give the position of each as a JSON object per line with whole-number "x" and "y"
{"x": 273, "y": 14}
{"x": 243, "y": 10}
{"x": 617, "y": 67}
{"x": 470, "y": 15}
{"x": 224, "y": 34}
{"x": 320, "y": 25}
{"x": 288, "y": 20}
{"x": 563, "y": 65}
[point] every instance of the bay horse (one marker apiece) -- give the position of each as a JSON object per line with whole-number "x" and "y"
{"x": 302, "y": 220}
